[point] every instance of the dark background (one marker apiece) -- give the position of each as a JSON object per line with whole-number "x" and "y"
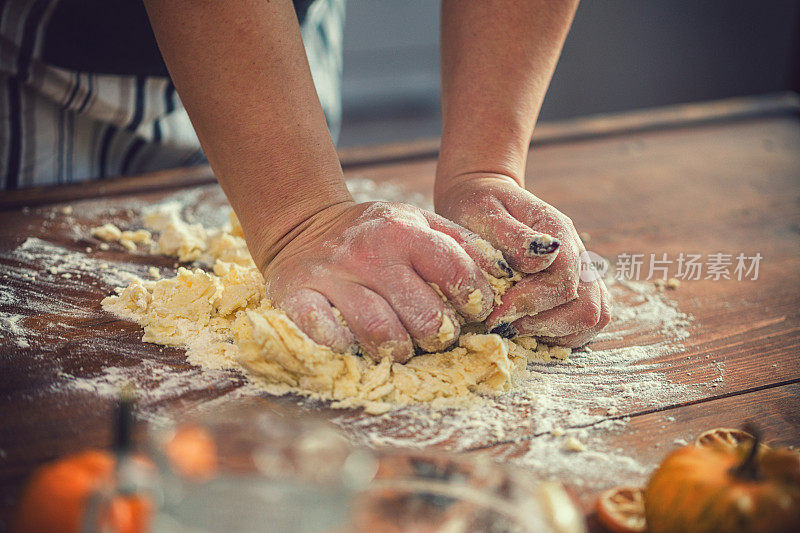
{"x": 620, "y": 54}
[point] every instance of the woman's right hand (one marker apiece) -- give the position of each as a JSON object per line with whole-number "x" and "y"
{"x": 374, "y": 262}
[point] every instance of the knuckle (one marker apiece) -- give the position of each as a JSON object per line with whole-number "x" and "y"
{"x": 462, "y": 277}
{"x": 589, "y": 315}
{"x": 442, "y": 242}
{"x": 396, "y": 224}
{"x": 569, "y": 288}
{"x": 427, "y": 322}
{"x": 486, "y": 203}
{"x": 454, "y": 262}
{"x": 380, "y": 209}
{"x": 605, "y": 317}
{"x": 385, "y": 217}
{"x": 438, "y": 219}
{"x": 566, "y": 266}
{"x": 379, "y": 327}
{"x": 565, "y": 220}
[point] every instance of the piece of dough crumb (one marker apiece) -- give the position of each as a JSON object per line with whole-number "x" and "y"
{"x": 107, "y": 232}
{"x": 474, "y": 303}
{"x": 574, "y": 445}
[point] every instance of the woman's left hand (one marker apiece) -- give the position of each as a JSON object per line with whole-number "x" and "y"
{"x": 551, "y": 302}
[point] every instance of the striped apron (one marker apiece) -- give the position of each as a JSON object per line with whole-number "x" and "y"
{"x": 70, "y": 114}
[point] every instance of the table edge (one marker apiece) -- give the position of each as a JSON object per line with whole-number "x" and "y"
{"x": 570, "y": 130}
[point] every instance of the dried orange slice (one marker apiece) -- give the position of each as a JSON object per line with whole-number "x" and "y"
{"x": 621, "y": 510}
{"x": 724, "y": 438}
{"x": 193, "y": 452}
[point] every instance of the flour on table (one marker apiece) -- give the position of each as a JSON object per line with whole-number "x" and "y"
{"x": 629, "y": 369}
{"x": 224, "y": 319}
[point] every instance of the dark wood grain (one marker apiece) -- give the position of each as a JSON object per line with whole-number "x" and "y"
{"x": 721, "y": 177}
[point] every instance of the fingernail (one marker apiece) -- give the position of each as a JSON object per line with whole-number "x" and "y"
{"x": 542, "y": 245}
{"x": 355, "y": 349}
{"x": 505, "y": 330}
{"x": 359, "y": 351}
{"x": 502, "y": 265}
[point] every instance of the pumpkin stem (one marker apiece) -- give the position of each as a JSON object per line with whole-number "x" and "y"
{"x": 123, "y": 441}
{"x": 123, "y": 421}
{"x": 749, "y": 469}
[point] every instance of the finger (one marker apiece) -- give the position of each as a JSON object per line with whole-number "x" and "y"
{"x": 372, "y": 320}
{"x": 314, "y": 315}
{"x": 542, "y": 290}
{"x": 580, "y": 314}
{"x": 576, "y": 340}
{"x": 488, "y": 258}
{"x": 439, "y": 259}
{"x": 431, "y": 323}
{"x": 526, "y": 249}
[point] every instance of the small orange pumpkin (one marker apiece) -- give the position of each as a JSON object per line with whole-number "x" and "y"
{"x": 55, "y": 499}
{"x": 722, "y": 487}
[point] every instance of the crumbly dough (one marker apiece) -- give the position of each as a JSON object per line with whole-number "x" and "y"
{"x": 475, "y": 302}
{"x": 225, "y": 320}
{"x": 447, "y": 331}
{"x": 107, "y": 232}
{"x": 128, "y": 239}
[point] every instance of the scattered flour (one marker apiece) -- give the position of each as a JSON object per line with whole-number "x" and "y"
{"x": 589, "y": 396}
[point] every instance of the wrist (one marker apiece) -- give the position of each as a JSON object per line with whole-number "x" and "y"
{"x": 303, "y": 235}
{"x": 490, "y": 148}
{"x": 458, "y": 165}
{"x": 447, "y": 187}
{"x": 272, "y": 225}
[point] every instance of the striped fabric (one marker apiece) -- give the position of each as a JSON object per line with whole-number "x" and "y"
{"x": 323, "y": 37}
{"x": 64, "y": 126}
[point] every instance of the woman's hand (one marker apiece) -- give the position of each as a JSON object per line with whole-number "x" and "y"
{"x": 374, "y": 263}
{"x": 550, "y": 302}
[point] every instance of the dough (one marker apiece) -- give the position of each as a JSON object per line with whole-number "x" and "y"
{"x": 107, "y": 232}
{"x": 128, "y": 239}
{"x": 224, "y": 320}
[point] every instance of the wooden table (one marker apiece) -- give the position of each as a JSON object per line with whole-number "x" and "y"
{"x": 705, "y": 178}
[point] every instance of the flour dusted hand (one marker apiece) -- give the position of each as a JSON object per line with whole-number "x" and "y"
{"x": 365, "y": 273}
{"x": 550, "y": 302}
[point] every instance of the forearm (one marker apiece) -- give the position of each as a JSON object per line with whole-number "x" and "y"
{"x": 497, "y": 60}
{"x": 241, "y": 72}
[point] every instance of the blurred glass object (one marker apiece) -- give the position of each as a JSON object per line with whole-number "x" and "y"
{"x": 252, "y": 466}
{"x": 423, "y": 491}
{"x": 248, "y": 469}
